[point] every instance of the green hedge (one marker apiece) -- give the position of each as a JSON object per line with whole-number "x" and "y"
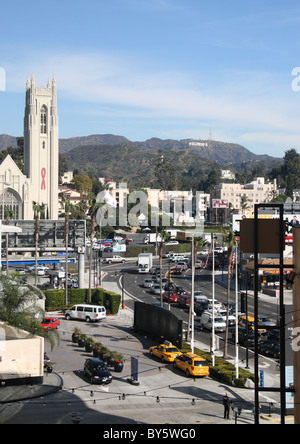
{"x": 55, "y": 299}
{"x": 223, "y": 371}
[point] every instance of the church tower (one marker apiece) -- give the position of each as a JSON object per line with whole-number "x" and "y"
{"x": 41, "y": 147}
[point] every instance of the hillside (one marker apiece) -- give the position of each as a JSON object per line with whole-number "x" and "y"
{"x": 128, "y": 163}
{"x": 221, "y": 152}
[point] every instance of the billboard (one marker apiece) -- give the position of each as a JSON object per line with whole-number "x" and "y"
{"x": 220, "y": 203}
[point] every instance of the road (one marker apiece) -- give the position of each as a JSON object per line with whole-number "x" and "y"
{"x": 203, "y": 281}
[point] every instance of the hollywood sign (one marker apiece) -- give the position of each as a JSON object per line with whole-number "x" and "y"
{"x": 203, "y": 144}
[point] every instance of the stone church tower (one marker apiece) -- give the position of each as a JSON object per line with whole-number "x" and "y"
{"x": 41, "y": 148}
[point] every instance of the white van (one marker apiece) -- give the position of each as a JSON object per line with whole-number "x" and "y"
{"x": 86, "y": 312}
{"x": 206, "y": 321}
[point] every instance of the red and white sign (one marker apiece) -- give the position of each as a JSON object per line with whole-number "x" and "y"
{"x": 220, "y": 203}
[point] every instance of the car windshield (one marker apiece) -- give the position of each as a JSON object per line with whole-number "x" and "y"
{"x": 219, "y": 320}
{"x": 200, "y": 363}
{"x": 172, "y": 350}
{"x": 100, "y": 367}
{"x": 46, "y": 321}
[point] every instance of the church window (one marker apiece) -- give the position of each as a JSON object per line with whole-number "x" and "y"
{"x": 43, "y": 120}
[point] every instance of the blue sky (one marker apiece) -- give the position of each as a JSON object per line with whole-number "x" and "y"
{"x": 158, "y": 68}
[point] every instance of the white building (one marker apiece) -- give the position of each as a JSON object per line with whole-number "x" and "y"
{"x": 255, "y": 192}
{"x": 39, "y": 182}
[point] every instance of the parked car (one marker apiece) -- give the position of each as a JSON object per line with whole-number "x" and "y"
{"x": 172, "y": 242}
{"x": 50, "y": 323}
{"x": 166, "y": 351}
{"x": 20, "y": 270}
{"x": 192, "y": 364}
{"x": 97, "y": 371}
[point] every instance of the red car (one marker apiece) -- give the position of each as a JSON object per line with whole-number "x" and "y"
{"x": 184, "y": 300}
{"x": 50, "y": 323}
{"x": 170, "y": 296}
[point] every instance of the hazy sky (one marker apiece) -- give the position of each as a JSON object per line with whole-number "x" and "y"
{"x": 158, "y": 68}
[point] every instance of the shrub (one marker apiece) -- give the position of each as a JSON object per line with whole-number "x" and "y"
{"x": 55, "y": 299}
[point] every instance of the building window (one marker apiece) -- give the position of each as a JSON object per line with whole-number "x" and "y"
{"x": 43, "y": 120}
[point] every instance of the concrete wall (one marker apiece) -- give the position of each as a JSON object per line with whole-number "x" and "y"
{"x": 21, "y": 356}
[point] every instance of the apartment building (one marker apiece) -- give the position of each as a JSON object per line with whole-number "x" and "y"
{"x": 244, "y": 197}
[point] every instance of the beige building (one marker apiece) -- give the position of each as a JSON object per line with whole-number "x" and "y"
{"x": 253, "y": 193}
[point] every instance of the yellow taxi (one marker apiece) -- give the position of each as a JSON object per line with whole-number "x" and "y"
{"x": 167, "y": 352}
{"x": 251, "y": 322}
{"x": 191, "y": 364}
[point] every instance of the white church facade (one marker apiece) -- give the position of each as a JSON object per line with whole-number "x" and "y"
{"x": 39, "y": 182}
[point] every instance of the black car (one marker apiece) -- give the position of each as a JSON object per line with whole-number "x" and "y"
{"x": 97, "y": 371}
{"x": 243, "y": 338}
{"x": 269, "y": 348}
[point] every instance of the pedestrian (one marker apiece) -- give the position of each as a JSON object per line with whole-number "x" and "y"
{"x": 226, "y": 404}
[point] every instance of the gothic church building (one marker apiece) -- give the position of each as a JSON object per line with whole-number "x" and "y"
{"x": 39, "y": 182}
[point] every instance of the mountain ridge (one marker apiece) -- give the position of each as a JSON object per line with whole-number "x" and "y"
{"x": 216, "y": 151}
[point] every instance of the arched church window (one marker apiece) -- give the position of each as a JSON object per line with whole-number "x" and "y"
{"x": 9, "y": 200}
{"x": 43, "y": 120}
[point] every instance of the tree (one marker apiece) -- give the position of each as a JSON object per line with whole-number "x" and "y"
{"x": 18, "y": 307}
{"x": 68, "y": 209}
{"x": 38, "y": 211}
{"x": 92, "y": 211}
{"x": 244, "y": 202}
{"x": 165, "y": 174}
{"x": 164, "y": 236}
{"x": 199, "y": 244}
{"x": 8, "y": 214}
{"x": 229, "y": 239}
{"x": 83, "y": 183}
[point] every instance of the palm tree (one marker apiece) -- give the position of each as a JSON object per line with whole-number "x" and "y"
{"x": 8, "y": 214}
{"x": 164, "y": 236}
{"x": 68, "y": 209}
{"x": 199, "y": 244}
{"x": 229, "y": 238}
{"x": 92, "y": 212}
{"x": 18, "y": 307}
{"x": 38, "y": 211}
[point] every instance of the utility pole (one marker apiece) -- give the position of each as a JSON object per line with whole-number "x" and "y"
{"x": 296, "y": 324}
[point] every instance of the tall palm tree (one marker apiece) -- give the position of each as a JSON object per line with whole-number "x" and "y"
{"x": 199, "y": 244}
{"x": 164, "y": 236}
{"x": 8, "y": 214}
{"x": 92, "y": 212}
{"x": 38, "y": 211}
{"x": 68, "y": 209}
{"x": 229, "y": 238}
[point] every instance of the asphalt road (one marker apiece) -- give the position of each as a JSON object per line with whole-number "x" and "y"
{"x": 133, "y": 285}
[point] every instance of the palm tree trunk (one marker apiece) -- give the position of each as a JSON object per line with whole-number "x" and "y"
{"x": 67, "y": 253}
{"x": 36, "y": 243}
{"x": 229, "y": 259}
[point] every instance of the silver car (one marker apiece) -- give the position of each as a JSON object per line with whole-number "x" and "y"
{"x": 148, "y": 283}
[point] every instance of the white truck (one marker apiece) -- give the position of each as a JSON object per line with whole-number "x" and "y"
{"x": 115, "y": 259}
{"x": 152, "y": 238}
{"x": 145, "y": 262}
